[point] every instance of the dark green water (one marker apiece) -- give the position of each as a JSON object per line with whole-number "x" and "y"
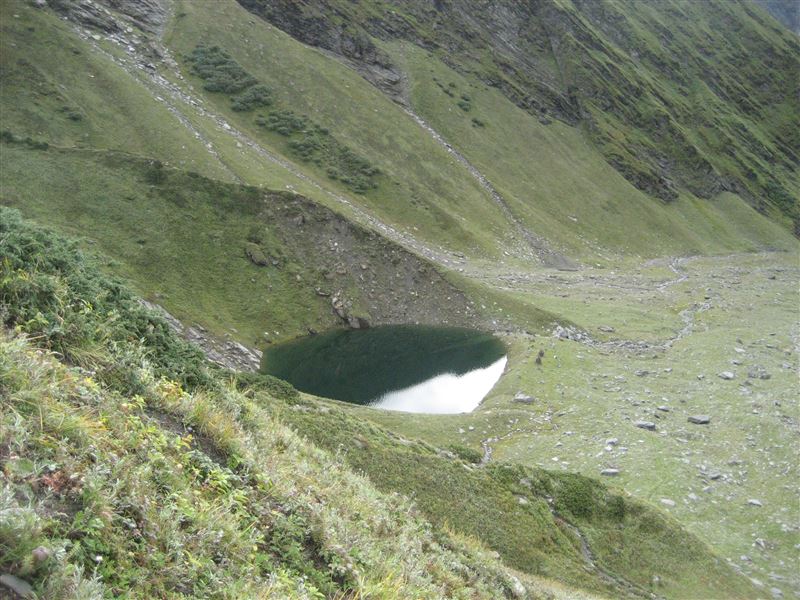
{"x": 363, "y": 366}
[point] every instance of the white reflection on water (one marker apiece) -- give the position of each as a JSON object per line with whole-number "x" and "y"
{"x": 446, "y": 393}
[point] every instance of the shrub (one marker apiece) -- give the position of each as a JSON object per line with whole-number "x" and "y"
{"x": 219, "y": 71}
{"x": 258, "y": 95}
{"x": 466, "y": 454}
{"x": 50, "y": 289}
{"x": 154, "y": 174}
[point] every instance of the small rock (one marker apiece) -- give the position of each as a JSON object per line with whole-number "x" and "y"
{"x": 664, "y": 408}
{"x": 754, "y": 502}
{"x": 606, "y": 329}
{"x": 726, "y": 375}
{"x": 19, "y": 586}
{"x": 610, "y": 472}
{"x": 612, "y": 442}
{"x": 522, "y": 398}
{"x": 41, "y": 554}
{"x": 517, "y": 588}
{"x": 649, "y": 425}
{"x": 776, "y": 593}
{"x": 667, "y": 502}
{"x": 699, "y": 419}
{"x": 641, "y": 372}
{"x": 758, "y": 373}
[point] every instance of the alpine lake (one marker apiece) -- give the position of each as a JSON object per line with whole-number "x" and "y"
{"x": 409, "y": 368}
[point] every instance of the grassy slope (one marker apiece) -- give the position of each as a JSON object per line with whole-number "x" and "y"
{"x": 211, "y": 281}
{"x": 536, "y": 169}
{"x": 674, "y": 94}
{"x": 133, "y": 485}
{"x": 563, "y": 188}
{"x": 111, "y": 200}
{"x": 423, "y": 188}
{"x": 49, "y": 73}
{"x": 626, "y": 537}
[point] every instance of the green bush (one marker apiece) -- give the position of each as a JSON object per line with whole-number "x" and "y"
{"x": 221, "y": 73}
{"x": 466, "y": 454}
{"x": 575, "y": 496}
{"x": 51, "y": 290}
{"x": 258, "y": 95}
{"x": 261, "y": 382}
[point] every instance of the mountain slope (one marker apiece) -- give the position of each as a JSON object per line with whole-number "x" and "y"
{"x": 669, "y": 113}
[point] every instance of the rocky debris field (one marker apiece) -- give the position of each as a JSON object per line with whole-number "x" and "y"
{"x": 677, "y": 380}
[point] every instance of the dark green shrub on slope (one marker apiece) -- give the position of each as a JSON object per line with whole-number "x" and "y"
{"x": 51, "y": 290}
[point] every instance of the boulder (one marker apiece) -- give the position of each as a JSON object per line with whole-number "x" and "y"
{"x": 699, "y": 419}
{"x": 256, "y": 255}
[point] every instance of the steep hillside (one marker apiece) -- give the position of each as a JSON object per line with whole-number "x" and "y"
{"x": 241, "y": 261}
{"x": 671, "y": 112}
{"x": 516, "y": 190}
{"x": 784, "y": 11}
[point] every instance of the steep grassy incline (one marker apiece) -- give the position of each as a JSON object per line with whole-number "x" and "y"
{"x": 117, "y": 478}
{"x": 556, "y": 181}
{"x": 678, "y": 96}
{"x": 55, "y": 87}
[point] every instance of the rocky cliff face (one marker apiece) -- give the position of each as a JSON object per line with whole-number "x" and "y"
{"x": 694, "y": 96}
{"x": 112, "y": 15}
